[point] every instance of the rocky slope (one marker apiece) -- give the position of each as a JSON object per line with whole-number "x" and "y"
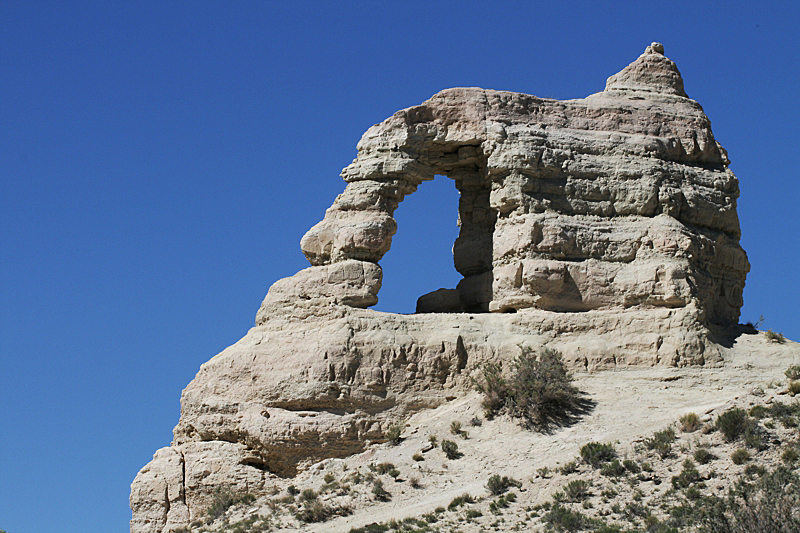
{"x": 604, "y": 227}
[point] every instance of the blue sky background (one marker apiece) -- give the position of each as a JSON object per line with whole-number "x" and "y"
{"x": 159, "y": 162}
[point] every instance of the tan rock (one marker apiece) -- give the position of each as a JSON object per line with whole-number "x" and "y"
{"x": 603, "y": 227}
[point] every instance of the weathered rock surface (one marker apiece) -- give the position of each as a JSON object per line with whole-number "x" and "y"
{"x": 604, "y": 227}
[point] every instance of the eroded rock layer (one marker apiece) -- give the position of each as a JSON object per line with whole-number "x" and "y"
{"x": 607, "y": 225}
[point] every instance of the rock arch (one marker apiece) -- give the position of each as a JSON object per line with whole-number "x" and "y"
{"x": 617, "y": 200}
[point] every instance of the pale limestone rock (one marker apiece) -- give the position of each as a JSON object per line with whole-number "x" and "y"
{"x": 604, "y": 227}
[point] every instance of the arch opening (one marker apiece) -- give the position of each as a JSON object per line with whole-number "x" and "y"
{"x": 420, "y": 259}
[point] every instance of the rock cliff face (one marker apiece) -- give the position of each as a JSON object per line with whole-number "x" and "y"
{"x": 605, "y": 227}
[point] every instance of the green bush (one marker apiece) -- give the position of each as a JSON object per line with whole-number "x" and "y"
{"x": 538, "y": 391}
{"x": 740, "y": 456}
{"x": 458, "y": 501}
{"x": 224, "y": 498}
{"x": 789, "y": 455}
{"x": 379, "y": 492}
{"x": 688, "y": 475}
{"x": 498, "y": 485}
{"x": 733, "y": 423}
{"x": 768, "y": 505}
{"x": 316, "y": 511}
{"x": 393, "y": 433}
{"x": 793, "y": 372}
{"x": 562, "y": 519}
{"x": 689, "y": 422}
{"x": 384, "y": 468}
{"x": 596, "y": 453}
{"x": 569, "y": 468}
{"x": 703, "y": 456}
{"x": 613, "y": 469}
{"x": 774, "y": 337}
{"x": 577, "y": 490}
{"x": 450, "y": 449}
{"x": 661, "y": 442}
{"x": 631, "y": 466}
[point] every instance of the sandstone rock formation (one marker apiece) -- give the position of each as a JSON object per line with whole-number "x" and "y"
{"x": 605, "y": 227}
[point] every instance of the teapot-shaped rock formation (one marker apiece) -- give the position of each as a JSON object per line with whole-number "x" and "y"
{"x": 604, "y": 227}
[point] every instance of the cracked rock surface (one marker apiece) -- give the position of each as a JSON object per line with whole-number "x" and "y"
{"x": 603, "y": 227}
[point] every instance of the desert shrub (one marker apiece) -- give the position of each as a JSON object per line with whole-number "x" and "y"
{"x": 569, "y": 468}
{"x": 767, "y": 505}
{"x": 316, "y": 511}
{"x": 458, "y": 501}
{"x": 291, "y": 489}
{"x": 418, "y": 457}
{"x": 562, "y": 519}
{"x": 613, "y": 469}
{"x": 752, "y": 470}
{"x": 740, "y": 456}
{"x": 631, "y": 466}
{"x": 455, "y": 427}
{"x": 384, "y": 468}
{"x": 688, "y": 475}
{"x": 473, "y": 513}
{"x": 733, "y": 423}
{"x": 577, "y": 490}
{"x": 475, "y": 421}
{"x": 415, "y": 482}
{"x": 794, "y": 388}
{"x": 596, "y": 453}
{"x": 689, "y": 422}
{"x": 433, "y": 439}
{"x": 450, "y": 449}
{"x": 789, "y": 455}
{"x": 774, "y": 337}
{"x": 703, "y": 456}
{"x": 393, "y": 433}
{"x": 498, "y": 485}
{"x": 224, "y": 498}
{"x": 329, "y": 478}
{"x": 308, "y": 495}
{"x": 661, "y": 442}
{"x": 793, "y": 372}
{"x": 379, "y": 492}
{"x": 539, "y": 391}
{"x": 394, "y": 473}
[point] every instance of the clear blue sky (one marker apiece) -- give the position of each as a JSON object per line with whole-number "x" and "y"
{"x": 159, "y": 162}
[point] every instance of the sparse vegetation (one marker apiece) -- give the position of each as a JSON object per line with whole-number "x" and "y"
{"x": 596, "y": 453}
{"x": 774, "y": 337}
{"x": 458, "y": 501}
{"x": 393, "y": 433}
{"x": 538, "y": 391}
{"x": 740, "y": 456}
{"x": 703, "y": 456}
{"x": 733, "y": 423}
{"x": 793, "y": 372}
{"x": 577, "y": 490}
{"x": 379, "y": 492}
{"x": 224, "y": 498}
{"x": 450, "y": 449}
{"x": 498, "y": 485}
{"x": 690, "y": 422}
{"x": 613, "y": 469}
{"x": 455, "y": 429}
{"x": 661, "y": 442}
{"x": 569, "y": 468}
{"x": 384, "y": 468}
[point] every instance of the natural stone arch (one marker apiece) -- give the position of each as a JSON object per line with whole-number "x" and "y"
{"x": 622, "y": 199}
